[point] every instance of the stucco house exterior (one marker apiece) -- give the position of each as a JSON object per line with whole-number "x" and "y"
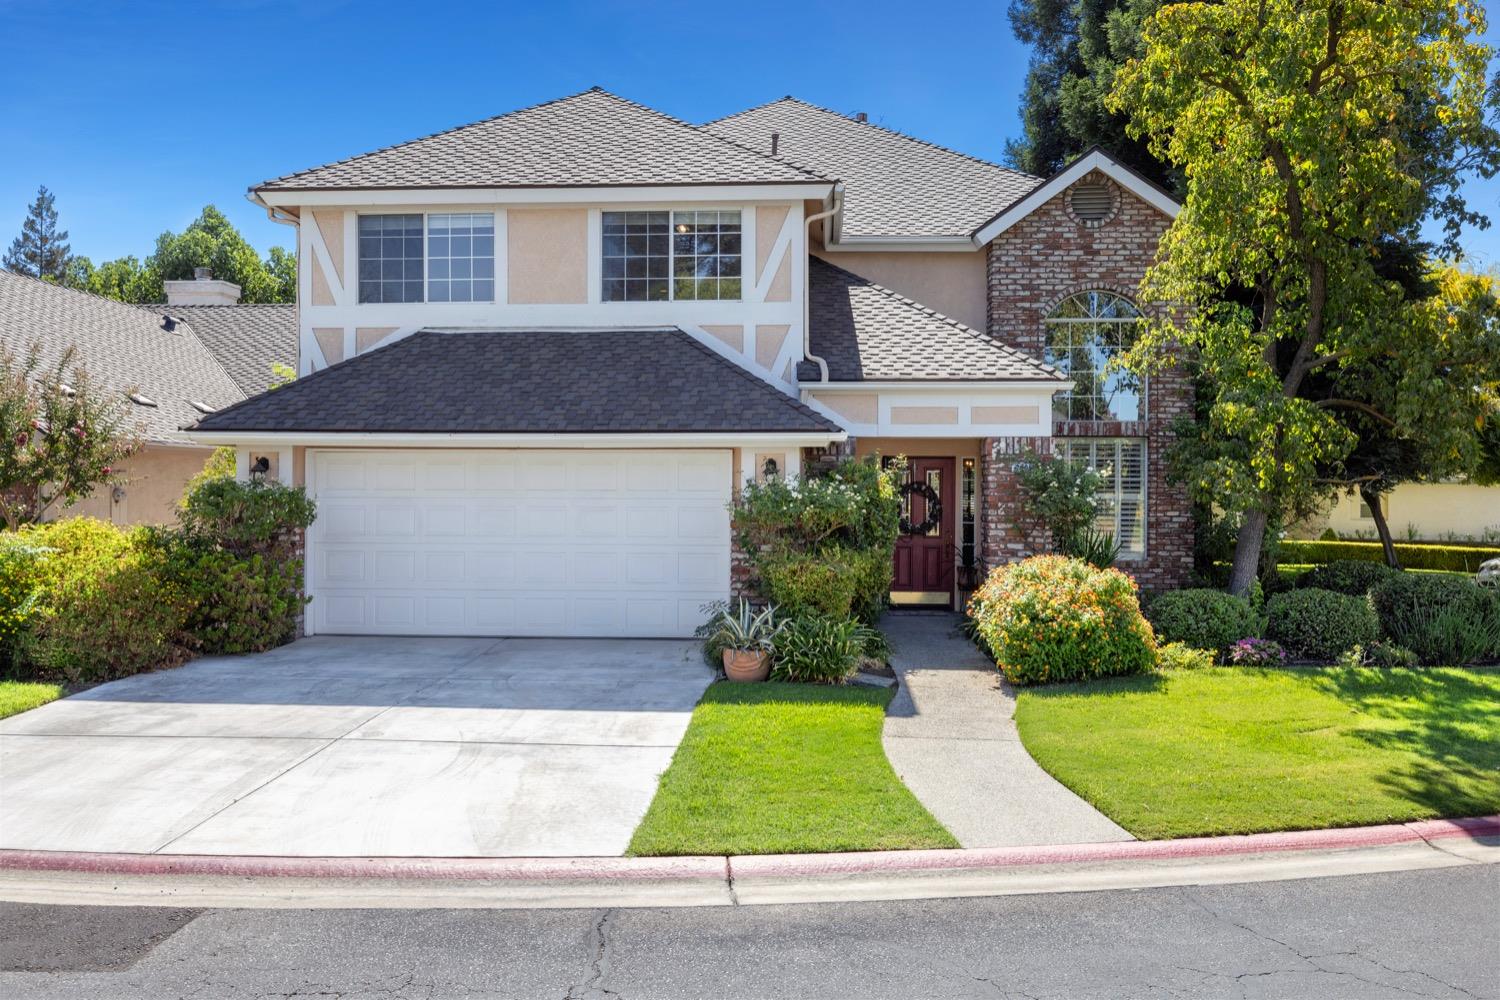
{"x": 539, "y": 354}
{"x": 167, "y": 364}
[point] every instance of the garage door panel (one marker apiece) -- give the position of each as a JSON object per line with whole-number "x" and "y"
{"x": 518, "y": 543}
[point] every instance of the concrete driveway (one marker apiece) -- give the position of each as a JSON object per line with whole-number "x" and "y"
{"x": 358, "y": 746}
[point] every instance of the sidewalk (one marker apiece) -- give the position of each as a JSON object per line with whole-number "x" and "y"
{"x": 951, "y": 735}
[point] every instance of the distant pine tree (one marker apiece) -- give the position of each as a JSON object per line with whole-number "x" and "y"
{"x": 41, "y": 251}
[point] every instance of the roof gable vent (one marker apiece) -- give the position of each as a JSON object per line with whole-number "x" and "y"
{"x": 1091, "y": 201}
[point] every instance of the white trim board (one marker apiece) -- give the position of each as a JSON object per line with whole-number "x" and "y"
{"x": 1045, "y": 192}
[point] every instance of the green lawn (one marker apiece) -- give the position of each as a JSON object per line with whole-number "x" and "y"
{"x": 784, "y": 768}
{"x": 18, "y": 696}
{"x": 1232, "y": 750}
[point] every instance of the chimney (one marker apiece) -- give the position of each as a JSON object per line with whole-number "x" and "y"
{"x": 203, "y": 290}
{"x": 775, "y": 142}
{"x": 860, "y": 116}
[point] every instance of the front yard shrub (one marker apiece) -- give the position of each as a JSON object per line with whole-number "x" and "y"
{"x": 1202, "y": 618}
{"x": 1320, "y": 624}
{"x": 824, "y": 544}
{"x": 103, "y": 609}
{"x": 817, "y": 649}
{"x": 86, "y": 601}
{"x": 1347, "y": 576}
{"x": 1442, "y": 619}
{"x": 20, "y": 584}
{"x": 1180, "y": 656}
{"x": 234, "y": 604}
{"x": 1052, "y": 618}
{"x": 246, "y": 518}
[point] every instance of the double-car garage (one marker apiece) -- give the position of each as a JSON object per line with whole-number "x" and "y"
{"x": 517, "y": 542}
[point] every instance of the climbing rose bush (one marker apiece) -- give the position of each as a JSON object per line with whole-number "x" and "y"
{"x": 1052, "y": 618}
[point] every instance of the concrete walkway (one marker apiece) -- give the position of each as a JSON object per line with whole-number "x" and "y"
{"x": 951, "y": 735}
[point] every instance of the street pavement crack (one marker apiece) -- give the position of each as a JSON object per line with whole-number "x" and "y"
{"x": 600, "y": 948}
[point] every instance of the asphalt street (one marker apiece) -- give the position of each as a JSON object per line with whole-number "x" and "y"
{"x": 1369, "y": 937}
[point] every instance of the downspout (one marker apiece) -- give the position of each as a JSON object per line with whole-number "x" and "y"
{"x": 838, "y": 203}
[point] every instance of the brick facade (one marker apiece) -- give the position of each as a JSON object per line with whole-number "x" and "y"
{"x": 1033, "y": 266}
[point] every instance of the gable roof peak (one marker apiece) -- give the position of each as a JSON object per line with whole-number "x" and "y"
{"x": 592, "y": 138}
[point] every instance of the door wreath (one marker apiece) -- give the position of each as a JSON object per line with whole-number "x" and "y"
{"x": 934, "y": 508}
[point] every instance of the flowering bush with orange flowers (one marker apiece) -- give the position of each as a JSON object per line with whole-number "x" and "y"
{"x": 1052, "y": 618}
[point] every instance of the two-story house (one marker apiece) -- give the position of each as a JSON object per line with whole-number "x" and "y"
{"x": 539, "y": 354}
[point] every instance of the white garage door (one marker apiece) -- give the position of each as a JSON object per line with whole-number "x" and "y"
{"x": 585, "y": 543}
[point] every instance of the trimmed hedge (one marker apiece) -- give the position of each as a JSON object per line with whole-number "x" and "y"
{"x": 1203, "y": 619}
{"x": 1347, "y": 576}
{"x": 1051, "y": 618}
{"x": 1320, "y": 624}
{"x": 1452, "y": 558}
{"x": 1442, "y": 619}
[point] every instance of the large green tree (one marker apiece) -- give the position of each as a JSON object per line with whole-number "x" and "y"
{"x": 41, "y": 251}
{"x": 210, "y": 241}
{"x": 1077, "y": 46}
{"x": 1293, "y": 123}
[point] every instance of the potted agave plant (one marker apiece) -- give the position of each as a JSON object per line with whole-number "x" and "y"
{"x": 744, "y": 636}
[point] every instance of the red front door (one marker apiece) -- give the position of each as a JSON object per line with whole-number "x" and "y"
{"x": 925, "y": 551}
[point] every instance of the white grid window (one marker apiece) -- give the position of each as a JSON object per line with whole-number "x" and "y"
{"x": 390, "y": 258}
{"x": 705, "y": 255}
{"x": 1085, "y": 334}
{"x": 661, "y": 256}
{"x": 461, "y": 257}
{"x": 1121, "y": 501}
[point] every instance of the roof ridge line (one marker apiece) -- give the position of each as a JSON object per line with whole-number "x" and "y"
{"x": 957, "y": 324}
{"x": 882, "y": 128}
{"x": 704, "y": 132}
{"x": 524, "y": 110}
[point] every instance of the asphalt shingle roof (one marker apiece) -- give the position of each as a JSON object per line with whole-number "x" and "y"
{"x": 123, "y": 348}
{"x": 544, "y": 382}
{"x": 894, "y": 185}
{"x": 866, "y": 332}
{"x": 246, "y": 339}
{"x": 587, "y": 140}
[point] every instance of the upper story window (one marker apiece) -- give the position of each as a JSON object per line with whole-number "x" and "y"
{"x": 390, "y": 258}
{"x": 461, "y": 257}
{"x": 661, "y": 256}
{"x": 458, "y": 265}
{"x": 1085, "y": 333}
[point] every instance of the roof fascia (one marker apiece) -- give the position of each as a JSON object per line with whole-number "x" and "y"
{"x": 927, "y": 244}
{"x": 1095, "y": 159}
{"x": 576, "y": 194}
{"x": 943, "y": 385}
{"x": 539, "y": 440}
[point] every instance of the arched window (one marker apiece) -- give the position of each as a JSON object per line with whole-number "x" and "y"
{"x": 1084, "y": 334}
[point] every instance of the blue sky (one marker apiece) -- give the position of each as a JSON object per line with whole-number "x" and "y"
{"x": 138, "y": 114}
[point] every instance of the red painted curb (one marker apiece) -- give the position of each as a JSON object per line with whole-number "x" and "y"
{"x": 721, "y": 868}
{"x": 786, "y": 865}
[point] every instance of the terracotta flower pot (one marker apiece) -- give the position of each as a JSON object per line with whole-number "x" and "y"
{"x": 747, "y": 665}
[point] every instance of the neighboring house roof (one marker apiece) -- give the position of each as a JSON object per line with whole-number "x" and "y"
{"x": 542, "y": 382}
{"x": 246, "y": 339}
{"x": 866, "y": 332}
{"x": 590, "y": 139}
{"x": 123, "y": 348}
{"x": 894, "y": 185}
